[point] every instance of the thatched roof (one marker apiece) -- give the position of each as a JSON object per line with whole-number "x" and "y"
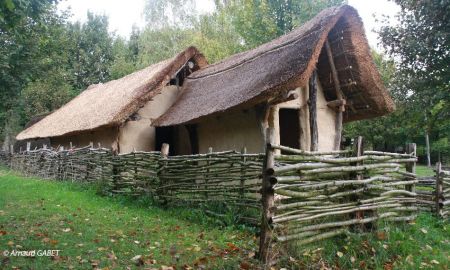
{"x": 252, "y": 77}
{"x": 111, "y": 103}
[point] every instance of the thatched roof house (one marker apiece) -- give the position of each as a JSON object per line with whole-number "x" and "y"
{"x": 304, "y": 84}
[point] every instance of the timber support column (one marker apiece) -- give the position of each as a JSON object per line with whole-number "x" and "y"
{"x": 312, "y": 104}
{"x": 340, "y": 98}
{"x": 267, "y": 194}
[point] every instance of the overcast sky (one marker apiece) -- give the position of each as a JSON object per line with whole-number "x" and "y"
{"x": 123, "y": 14}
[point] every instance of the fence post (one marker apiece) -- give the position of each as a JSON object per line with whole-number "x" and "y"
{"x": 411, "y": 166}
{"x": 358, "y": 148}
{"x": 208, "y": 163}
{"x": 267, "y": 194}
{"x": 164, "y": 156}
{"x": 439, "y": 190}
{"x": 243, "y": 167}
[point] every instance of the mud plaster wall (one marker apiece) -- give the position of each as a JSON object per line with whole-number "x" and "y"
{"x": 326, "y": 119}
{"x": 139, "y": 134}
{"x": 231, "y": 131}
{"x": 105, "y": 136}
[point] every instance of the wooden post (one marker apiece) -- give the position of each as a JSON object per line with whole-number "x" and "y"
{"x": 208, "y": 163}
{"x": 71, "y": 145}
{"x": 411, "y": 166}
{"x": 339, "y": 95}
{"x": 164, "y": 157}
{"x": 267, "y": 199}
{"x": 312, "y": 104}
{"x": 439, "y": 198}
{"x": 243, "y": 169}
{"x": 28, "y": 146}
{"x": 358, "y": 149}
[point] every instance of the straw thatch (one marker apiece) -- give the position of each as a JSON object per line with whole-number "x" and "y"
{"x": 252, "y": 77}
{"x": 111, "y": 103}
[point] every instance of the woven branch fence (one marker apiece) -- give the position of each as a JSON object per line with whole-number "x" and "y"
{"x": 304, "y": 197}
{"x": 311, "y": 196}
{"x": 228, "y": 180}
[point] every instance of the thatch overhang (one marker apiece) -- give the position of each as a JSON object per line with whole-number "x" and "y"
{"x": 111, "y": 103}
{"x": 264, "y": 73}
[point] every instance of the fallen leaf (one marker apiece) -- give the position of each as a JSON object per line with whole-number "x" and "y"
{"x": 2, "y": 233}
{"x": 137, "y": 260}
{"x": 381, "y": 235}
{"x": 245, "y": 265}
{"x": 424, "y": 231}
{"x": 388, "y": 266}
{"x": 339, "y": 254}
{"x": 434, "y": 262}
{"x": 66, "y": 230}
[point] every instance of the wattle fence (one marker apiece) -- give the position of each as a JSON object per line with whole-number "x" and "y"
{"x": 303, "y": 197}
{"x": 228, "y": 180}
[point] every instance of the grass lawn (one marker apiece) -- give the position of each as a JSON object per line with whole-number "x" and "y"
{"x": 98, "y": 232}
{"x": 107, "y": 233}
{"x": 423, "y": 170}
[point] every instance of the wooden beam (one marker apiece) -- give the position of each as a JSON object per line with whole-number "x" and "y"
{"x": 286, "y": 96}
{"x": 339, "y": 94}
{"x": 336, "y": 103}
{"x": 312, "y": 104}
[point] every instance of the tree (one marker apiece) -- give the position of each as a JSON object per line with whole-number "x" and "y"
{"x": 421, "y": 44}
{"x": 26, "y": 50}
{"x": 91, "y": 51}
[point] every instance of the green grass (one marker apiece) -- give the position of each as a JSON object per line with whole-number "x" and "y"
{"x": 93, "y": 231}
{"x": 105, "y": 232}
{"x": 422, "y": 170}
{"x": 424, "y": 244}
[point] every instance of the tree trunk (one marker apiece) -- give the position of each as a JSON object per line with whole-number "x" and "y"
{"x": 427, "y": 141}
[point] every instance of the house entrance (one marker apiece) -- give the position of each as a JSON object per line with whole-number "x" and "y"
{"x": 289, "y": 128}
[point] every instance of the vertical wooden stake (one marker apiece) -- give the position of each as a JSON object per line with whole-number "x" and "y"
{"x": 164, "y": 157}
{"x": 267, "y": 193}
{"x": 312, "y": 102}
{"x": 28, "y": 146}
{"x": 358, "y": 149}
{"x": 411, "y": 166}
{"x": 208, "y": 163}
{"x": 439, "y": 190}
{"x": 244, "y": 159}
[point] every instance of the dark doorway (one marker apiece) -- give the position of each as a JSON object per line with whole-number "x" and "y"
{"x": 289, "y": 128}
{"x": 165, "y": 135}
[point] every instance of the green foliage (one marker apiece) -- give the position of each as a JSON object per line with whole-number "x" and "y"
{"x": 420, "y": 82}
{"x": 46, "y": 95}
{"x": 259, "y": 21}
{"x": 90, "y": 50}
